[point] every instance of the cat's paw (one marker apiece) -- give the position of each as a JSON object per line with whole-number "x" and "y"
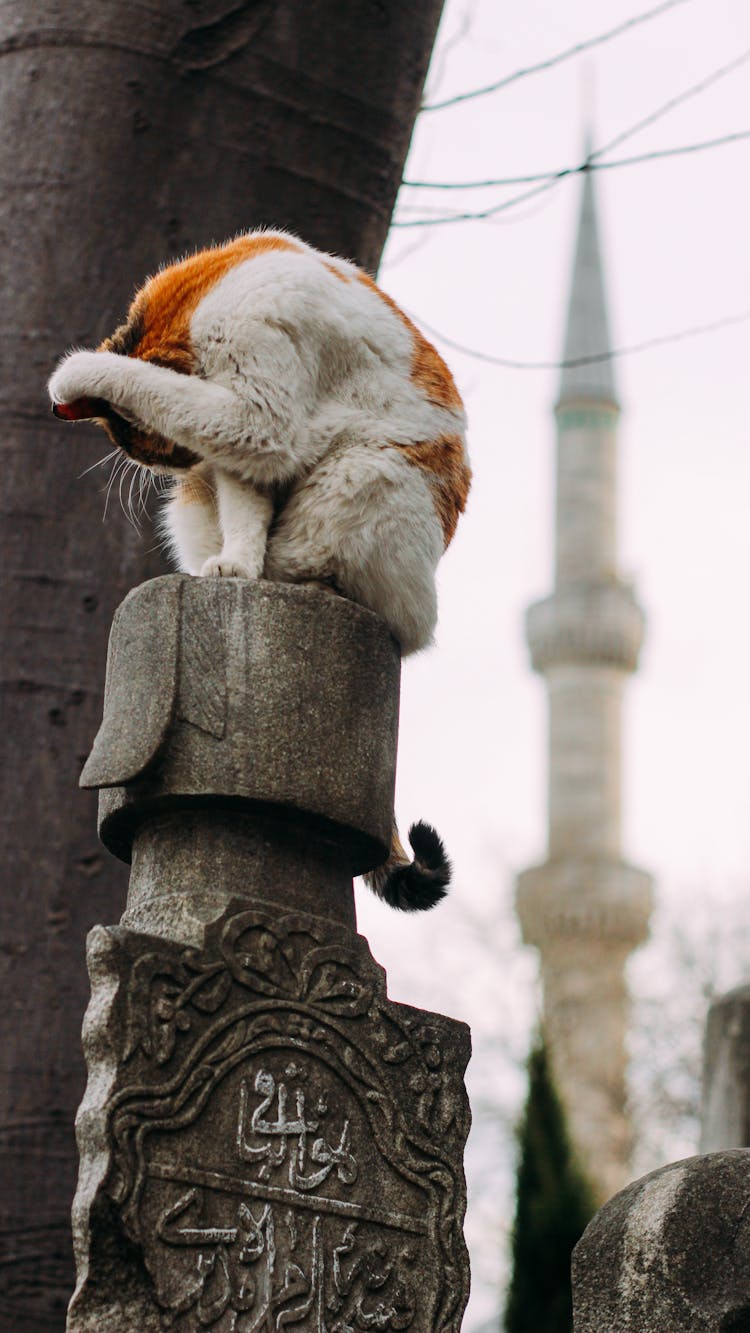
{"x": 80, "y": 375}
{"x": 219, "y": 567}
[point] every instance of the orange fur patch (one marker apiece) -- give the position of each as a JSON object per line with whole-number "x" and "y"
{"x": 195, "y": 488}
{"x": 428, "y": 368}
{"x": 157, "y": 328}
{"x": 445, "y": 466}
{"x": 166, "y": 304}
{"x": 158, "y": 323}
{"x": 342, "y": 277}
{"x": 430, "y": 372}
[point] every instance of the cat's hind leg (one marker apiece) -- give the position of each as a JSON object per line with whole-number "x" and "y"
{"x": 364, "y": 522}
{"x": 190, "y": 520}
{"x": 244, "y": 516}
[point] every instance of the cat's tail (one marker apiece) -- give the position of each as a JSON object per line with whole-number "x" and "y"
{"x": 413, "y": 885}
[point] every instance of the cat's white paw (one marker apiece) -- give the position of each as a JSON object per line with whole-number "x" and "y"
{"x": 220, "y": 567}
{"x": 80, "y": 375}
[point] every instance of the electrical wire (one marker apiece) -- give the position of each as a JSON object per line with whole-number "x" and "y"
{"x": 655, "y": 155}
{"x": 558, "y": 59}
{"x": 677, "y": 100}
{"x": 663, "y": 109}
{"x": 661, "y": 340}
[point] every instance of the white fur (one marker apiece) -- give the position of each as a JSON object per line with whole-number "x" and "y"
{"x": 193, "y": 531}
{"x": 303, "y": 385}
{"x": 244, "y": 519}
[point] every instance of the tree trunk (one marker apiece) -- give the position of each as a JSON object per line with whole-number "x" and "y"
{"x": 131, "y": 133}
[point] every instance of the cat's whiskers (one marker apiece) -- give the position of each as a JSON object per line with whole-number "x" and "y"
{"x": 147, "y": 484}
{"x": 99, "y": 463}
{"x": 117, "y": 467}
{"x": 127, "y": 506}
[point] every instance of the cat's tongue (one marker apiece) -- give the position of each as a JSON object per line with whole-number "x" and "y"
{"x": 81, "y": 409}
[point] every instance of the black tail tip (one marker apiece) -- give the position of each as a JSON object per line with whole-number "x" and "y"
{"x": 424, "y": 882}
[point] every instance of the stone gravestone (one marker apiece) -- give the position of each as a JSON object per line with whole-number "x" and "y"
{"x": 266, "y": 1140}
{"x": 725, "y": 1113}
{"x": 671, "y": 1253}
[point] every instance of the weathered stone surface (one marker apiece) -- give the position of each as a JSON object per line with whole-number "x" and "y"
{"x": 670, "y": 1254}
{"x": 248, "y": 693}
{"x": 725, "y": 1113}
{"x": 187, "y": 864}
{"x": 266, "y": 1140}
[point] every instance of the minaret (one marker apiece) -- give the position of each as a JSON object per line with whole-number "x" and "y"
{"x": 585, "y": 908}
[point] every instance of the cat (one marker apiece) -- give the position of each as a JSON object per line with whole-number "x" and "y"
{"x": 313, "y": 434}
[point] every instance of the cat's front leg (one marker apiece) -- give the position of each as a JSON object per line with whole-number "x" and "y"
{"x": 190, "y": 519}
{"x": 257, "y": 434}
{"x": 183, "y": 409}
{"x": 244, "y": 518}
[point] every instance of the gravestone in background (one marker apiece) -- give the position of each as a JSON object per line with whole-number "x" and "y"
{"x": 669, "y": 1254}
{"x": 725, "y": 1112}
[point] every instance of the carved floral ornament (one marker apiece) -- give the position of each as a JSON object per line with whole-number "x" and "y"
{"x": 337, "y": 1187}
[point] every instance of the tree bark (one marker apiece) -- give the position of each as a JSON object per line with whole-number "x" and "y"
{"x": 132, "y": 132}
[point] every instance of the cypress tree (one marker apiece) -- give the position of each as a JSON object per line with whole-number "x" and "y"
{"x": 554, "y": 1202}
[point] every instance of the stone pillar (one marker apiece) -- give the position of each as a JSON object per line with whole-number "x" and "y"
{"x": 266, "y": 1140}
{"x": 725, "y": 1112}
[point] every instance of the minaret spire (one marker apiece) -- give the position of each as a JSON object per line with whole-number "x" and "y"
{"x": 587, "y": 330}
{"x": 585, "y": 908}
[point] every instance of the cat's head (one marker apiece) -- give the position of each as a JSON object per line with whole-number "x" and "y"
{"x": 144, "y": 447}
{"x": 154, "y": 330}
{"x": 145, "y": 337}
{"x": 158, "y": 329}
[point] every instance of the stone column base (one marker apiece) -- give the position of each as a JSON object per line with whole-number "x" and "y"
{"x": 266, "y": 1139}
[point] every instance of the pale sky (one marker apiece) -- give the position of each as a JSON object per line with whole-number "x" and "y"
{"x": 676, "y": 239}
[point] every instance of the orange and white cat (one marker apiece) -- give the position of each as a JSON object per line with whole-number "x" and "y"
{"x": 313, "y": 433}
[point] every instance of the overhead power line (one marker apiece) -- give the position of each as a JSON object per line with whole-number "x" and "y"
{"x": 678, "y": 99}
{"x": 557, "y": 59}
{"x": 484, "y": 213}
{"x": 661, "y": 340}
{"x": 480, "y": 215}
{"x": 655, "y": 155}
